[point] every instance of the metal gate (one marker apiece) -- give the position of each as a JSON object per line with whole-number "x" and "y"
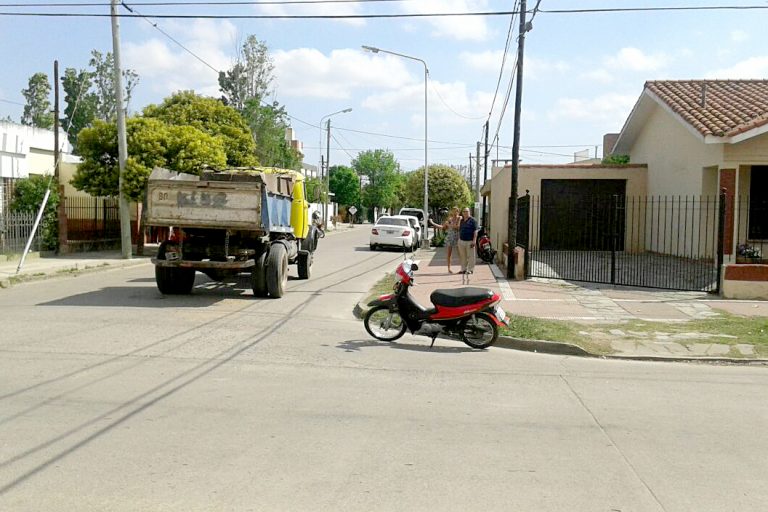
{"x": 653, "y": 242}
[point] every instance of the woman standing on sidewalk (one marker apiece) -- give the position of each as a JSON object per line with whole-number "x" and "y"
{"x": 451, "y": 227}
{"x": 467, "y": 240}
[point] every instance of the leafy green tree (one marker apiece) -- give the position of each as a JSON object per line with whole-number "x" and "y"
{"x": 150, "y": 143}
{"x": 316, "y": 192}
{"x": 447, "y": 188}
{"x": 103, "y": 76}
{"x": 249, "y": 78}
{"x": 80, "y": 109}
{"x": 28, "y": 195}
{"x": 268, "y": 124}
{"x": 37, "y": 111}
{"x": 345, "y": 185}
{"x": 381, "y": 169}
{"x": 211, "y": 116}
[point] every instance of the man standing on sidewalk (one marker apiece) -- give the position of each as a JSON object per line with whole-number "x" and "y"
{"x": 467, "y": 240}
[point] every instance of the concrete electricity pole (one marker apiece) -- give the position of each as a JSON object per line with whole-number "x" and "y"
{"x": 122, "y": 143}
{"x": 61, "y": 211}
{"x": 512, "y": 233}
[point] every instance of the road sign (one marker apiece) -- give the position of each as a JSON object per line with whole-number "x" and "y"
{"x": 352, "y": 210}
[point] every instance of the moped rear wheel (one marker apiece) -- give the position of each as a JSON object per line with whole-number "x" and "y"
{"x": 479, "y": 331}
{"x": 383, "y": 324}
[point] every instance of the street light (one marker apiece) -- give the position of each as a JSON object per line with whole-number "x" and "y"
{"x": 373, "y": 49}
{"x": 327, "y": 158}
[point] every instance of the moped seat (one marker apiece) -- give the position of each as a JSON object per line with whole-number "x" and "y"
{"x": 457, "y": 297}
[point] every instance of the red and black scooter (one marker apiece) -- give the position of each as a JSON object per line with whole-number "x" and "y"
{"x": 471, "y": 315}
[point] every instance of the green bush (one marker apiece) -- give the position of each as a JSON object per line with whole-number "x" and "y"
{"x": 28, "y": 195}
{"x": 438, "y": 240}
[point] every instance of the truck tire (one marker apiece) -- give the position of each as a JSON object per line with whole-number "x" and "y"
{"x": 259, "y": 276}
{"x": 277, "y": 270}
{"x": 174, "y": 281}
{"x": 305, "y": 265}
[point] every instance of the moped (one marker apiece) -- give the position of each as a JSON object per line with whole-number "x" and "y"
{"x": 469, "y": 314}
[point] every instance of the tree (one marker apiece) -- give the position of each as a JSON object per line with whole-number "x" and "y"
{"x": 447, "y": 188}
{"x": 103, "y": 75}
{"x": 150, "y": 143}
{"x": 345, "y": 185}
{"x": 268, "y": 124}
{"x": 316, "y": 190}
{"x": 37, "y": 111}
{"x": 211, "y": 116}
{"x": 381, "y": 169}
{"x": 249, "y": 78}
{"x": 80, "y": 109}
{"x": 28, "y": 195}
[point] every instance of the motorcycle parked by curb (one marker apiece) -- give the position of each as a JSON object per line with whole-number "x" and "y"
{"x": 469, "y": 314}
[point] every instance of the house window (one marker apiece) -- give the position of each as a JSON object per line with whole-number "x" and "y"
{"x": 758, "y": 203}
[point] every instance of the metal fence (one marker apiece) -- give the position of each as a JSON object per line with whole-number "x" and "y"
{"x": 92, "y": 218}
{"x": 15, "y": 229}
{"x": 654, "y": 242}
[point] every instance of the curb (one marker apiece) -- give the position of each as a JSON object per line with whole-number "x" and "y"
{"x": 567, "y": 349}
{"x": 72, "y": 270}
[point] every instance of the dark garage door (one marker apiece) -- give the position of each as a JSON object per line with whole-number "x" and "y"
{"x": 582, "y": 215}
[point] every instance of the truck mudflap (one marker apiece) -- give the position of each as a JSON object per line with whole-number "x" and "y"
{"x": 222, "y": 265}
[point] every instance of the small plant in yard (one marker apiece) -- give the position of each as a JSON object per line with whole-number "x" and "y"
{"x": 748, "y": 251}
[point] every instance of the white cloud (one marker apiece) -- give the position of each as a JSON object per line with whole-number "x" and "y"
{"x": 448, "y": 103}
{"x": 169, "y": 68}
{"x": 307, "y": 72}
{"x": 599, "y": 75}
{"x": 611, "y": 109}
{"x": 489, "y": 61}
{"x": 316, "y": 8}
{"x": 463, "y": 28}
{"x": 739, "y": 36}
{"x": 634, "y": 59}
{"x": 755, "y": 67}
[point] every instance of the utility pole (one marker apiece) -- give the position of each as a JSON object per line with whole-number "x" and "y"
{"x": 485, "y": 174}
{"x": 122, "y": 143}
{"x": 512, "y": 233}
{"x": 477, "y": 181}
{"x": 61, "y": 210}
{"x": 327, "y": 171}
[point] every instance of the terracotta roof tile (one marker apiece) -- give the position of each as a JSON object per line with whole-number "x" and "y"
{"x": 722, "y": 108}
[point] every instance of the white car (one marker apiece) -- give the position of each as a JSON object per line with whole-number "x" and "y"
{"x": 393, "y": 231}
{"x": 415, "y": 224}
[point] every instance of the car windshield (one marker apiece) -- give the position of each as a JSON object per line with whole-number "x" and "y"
{"x": 390, "y": 221}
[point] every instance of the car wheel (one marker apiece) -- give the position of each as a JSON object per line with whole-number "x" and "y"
{"x": 373, "y": 247}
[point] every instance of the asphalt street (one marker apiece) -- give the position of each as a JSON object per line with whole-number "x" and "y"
{"x": 114, "y": 397}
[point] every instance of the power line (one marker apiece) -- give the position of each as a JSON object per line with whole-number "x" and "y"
{"x": 11, "y": 102}
{"x": 503, "y": 61}
{"x": 263, "y": 16}
{"x": 208, "y": 3}
{"x": 341, "y": 147}
{"x": 449, "y": 107}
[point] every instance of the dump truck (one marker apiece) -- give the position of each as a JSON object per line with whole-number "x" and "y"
{"x": 227, "y": 222}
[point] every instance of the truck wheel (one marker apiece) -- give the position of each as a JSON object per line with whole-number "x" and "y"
{"x": 259, "y": 277}
{"x": 305, "y": 265}
{"x": 174, "y": 281}
{"x": 277, "y": 270}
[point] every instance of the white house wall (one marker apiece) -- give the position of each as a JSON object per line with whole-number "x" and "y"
{"x": 675, "y": 157}
{"x": 750, "y": 151}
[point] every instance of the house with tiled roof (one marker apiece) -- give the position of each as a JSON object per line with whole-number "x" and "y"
{"x": 702, "y": 137}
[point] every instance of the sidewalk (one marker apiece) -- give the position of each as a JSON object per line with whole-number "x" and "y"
{"x": 594, "y": 305}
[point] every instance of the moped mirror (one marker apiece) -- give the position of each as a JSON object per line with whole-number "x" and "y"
{"x": 414, "y": 266}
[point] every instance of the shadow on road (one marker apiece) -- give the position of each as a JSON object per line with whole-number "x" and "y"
{"x": 357, "y": 345}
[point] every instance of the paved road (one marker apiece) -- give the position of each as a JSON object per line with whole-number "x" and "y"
{"x": 113, "y": 397}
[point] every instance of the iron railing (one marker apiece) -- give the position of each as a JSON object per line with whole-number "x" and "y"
{"x": 654, "y": 242}
{"x": 750, "y": 229}
{"x": 92, "y": 218}
{"x": 15, "y": 228}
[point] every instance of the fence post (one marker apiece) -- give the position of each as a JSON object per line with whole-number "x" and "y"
{"x": 614, "y": 236}
{"x": 720, "y": 238}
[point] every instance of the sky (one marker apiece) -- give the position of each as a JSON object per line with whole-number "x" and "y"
{"x": 583, "y": 72}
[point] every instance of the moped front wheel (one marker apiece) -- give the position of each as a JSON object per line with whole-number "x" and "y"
{"x": 384, "y": 324}
{"x": 479, "y": 331}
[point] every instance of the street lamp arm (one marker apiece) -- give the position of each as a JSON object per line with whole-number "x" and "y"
{"x": 379, "y": 50}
